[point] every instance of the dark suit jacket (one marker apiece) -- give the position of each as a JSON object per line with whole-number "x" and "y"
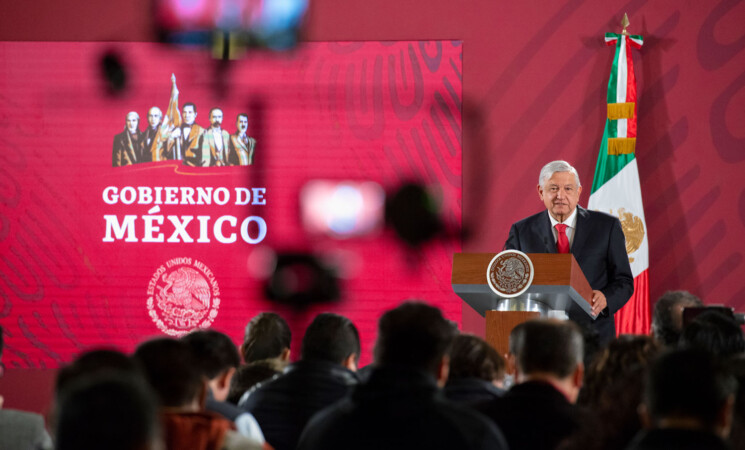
{"x": 600, "y": 249}
{"x": 533, "y": 415}
{"x": 125, "y": 149}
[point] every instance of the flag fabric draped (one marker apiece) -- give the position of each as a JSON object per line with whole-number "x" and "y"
{"x": 616, "y": 188}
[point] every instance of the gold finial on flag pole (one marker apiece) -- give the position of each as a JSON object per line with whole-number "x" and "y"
{"x": 625, "y": 23}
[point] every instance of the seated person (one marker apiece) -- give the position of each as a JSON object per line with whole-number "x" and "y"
{"x": 400, "y": 406}
{"x": 476, "y": 371}
{"x": 548, "y": 358}
{"x": 249, "y": 375}
{"x": 217, "y": 357}
{"x": 688, "y": 401}
{"x": 324, "y": 374}
{"x": 108, "y": 410}
{"x": 172, "y": 371}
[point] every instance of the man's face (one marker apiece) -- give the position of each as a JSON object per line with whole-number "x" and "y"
{"x": 560, "y": 194}
{"x": 242, "y": 124}
{"x": 189, "y": 115}
{"x": 132, "y": 122}
{"x": 153, "y": 117}
{"x": 216, "y": 118}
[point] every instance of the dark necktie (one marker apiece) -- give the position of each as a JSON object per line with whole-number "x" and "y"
{"x": 562, "y": 243}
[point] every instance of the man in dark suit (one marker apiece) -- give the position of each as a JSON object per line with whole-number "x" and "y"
{"x": 594, "y": 238}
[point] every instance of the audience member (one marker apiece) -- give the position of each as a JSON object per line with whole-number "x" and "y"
{"x": 267, "y": 336}
{"x": 715, "y": 332}
{"x": 688, "y": 403}
{"x": 217, "y": 358}
{"x": 106, "y": 410}
{"x": 667, "y": 318}
{"x": 97, "y": 362}
{"x": 476, "y": 371}
{"x": 21, "y": 429}
{"x": 399, "y": 407}
{"x": 538, "y": 412}
{"x": 737, "y": 433}
{"x": 172, "y": 371}
{"x": 612, "y": 390}
{"x": 329, "y": 354}
{"x": 249, "y": 375}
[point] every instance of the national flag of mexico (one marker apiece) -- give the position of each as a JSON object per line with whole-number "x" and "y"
{"x": 616, "y": 188}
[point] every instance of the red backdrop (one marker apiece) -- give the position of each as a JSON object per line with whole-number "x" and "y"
{"x": 534, "y": 80}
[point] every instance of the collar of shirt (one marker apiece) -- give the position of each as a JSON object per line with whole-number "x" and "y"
{"x": 570, "y": 222}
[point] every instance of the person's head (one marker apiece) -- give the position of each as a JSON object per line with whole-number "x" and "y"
{"x": 333, "y": 338}
{"x": 94, "y": 363}
{"x": 622, "y": 356}
{"x": 189, "y": 113}
{"x": 689, "y": 388}
{"x": 115, "y": 412}
{"x": 133, "y": 121}
{"x": 267, "y": 336}
{"x": 559, "y": 189}
{"x": 715, "y": 332}
{"x": 172, "y": 371}
{"x": 549, "y": 350}
{"x": 241, "y": 123}
{"x": 473, "y": 357}
{"x": 217, "y": 358}
{"x": 216, "y": 117}
{"x": 417, "y": 336}
{"x": 667, "y": 318}
{"x": 154, "y": 116}
{"x": 249, "y": 375}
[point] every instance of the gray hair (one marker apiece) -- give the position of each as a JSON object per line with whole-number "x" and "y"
{"x": 137, "y": 116}
{"x": 557, "y": 166}
{"x": 547, "y": 346}
{"x": 155, "y": 108}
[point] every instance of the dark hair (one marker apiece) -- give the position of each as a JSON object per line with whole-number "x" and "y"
{"x": 241, "y": 115}
{"x": 689, "y": 383}
{"x": 106, "y": 411}
{"x": 249, "y": 375}
{"x": 330, "y": 337}
{"x": 214, "y": 352}
{"x": 171, "y": 370}
{"x": 96, "y": 362}
{"x": 547, "y": 346}
{"x": 414, "y": 335}
{"x": 267, "y": 336}
{"x": 667, "y": 321}
{"x": 715, "y": 332}
{"x": 473, "y": 357}
{"x": 2, "y": 343}
{"x": 193, "y": 106}
{"x": 614, "y": 363}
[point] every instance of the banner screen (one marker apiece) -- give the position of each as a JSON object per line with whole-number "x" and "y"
{"x": 117, "y": 224}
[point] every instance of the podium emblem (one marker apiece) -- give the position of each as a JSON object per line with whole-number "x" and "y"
{"x": 510, "y": 273}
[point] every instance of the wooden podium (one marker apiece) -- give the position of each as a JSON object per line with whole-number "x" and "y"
{"x": 558, "y": 285}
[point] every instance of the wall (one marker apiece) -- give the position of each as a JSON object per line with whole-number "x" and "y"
{"x": 534, "y": 76}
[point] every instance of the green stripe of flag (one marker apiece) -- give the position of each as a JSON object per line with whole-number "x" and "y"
{"x": 608, "y": 165}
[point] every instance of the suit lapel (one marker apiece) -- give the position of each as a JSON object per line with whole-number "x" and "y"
{"x": 582, "y": 230}
{"x": 543, "y": 229}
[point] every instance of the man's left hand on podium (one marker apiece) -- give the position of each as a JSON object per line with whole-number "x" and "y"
{"x": 599, "y": 303}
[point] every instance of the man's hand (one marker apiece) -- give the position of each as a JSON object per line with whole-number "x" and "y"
{"x": 598, "y": 303}
{"x": 176, "y": 133}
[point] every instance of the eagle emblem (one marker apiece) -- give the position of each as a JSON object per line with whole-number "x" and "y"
{"x": 633, "y": 230}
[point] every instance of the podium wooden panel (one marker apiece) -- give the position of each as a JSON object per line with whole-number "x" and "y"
{"x": 558, "y": 284}
{"x": 499, "y": 325}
